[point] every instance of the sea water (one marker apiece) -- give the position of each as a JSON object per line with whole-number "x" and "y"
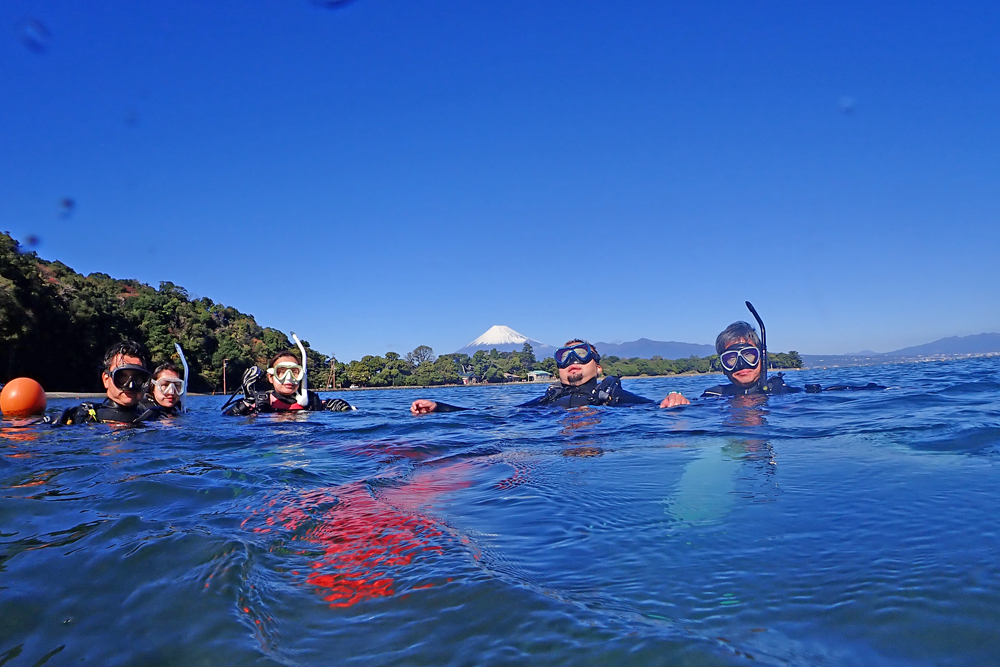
{"x": 833, "y": 529}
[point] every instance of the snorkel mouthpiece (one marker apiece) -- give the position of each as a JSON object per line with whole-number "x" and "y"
{"x": 184, "y": 363}
{"x": 302, "y": 396}
{"x": 763, "y": 346}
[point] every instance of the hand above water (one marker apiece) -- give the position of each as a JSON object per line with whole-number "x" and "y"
{"x": 674, "y": 399}
{"x": 422, "y": 406}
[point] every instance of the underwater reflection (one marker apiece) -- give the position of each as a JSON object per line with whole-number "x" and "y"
{"x": 358, "y": 538}
{"x": 748, "y": 410}
{"x": 578, "y": 429}
{"x": 711, "y": 483}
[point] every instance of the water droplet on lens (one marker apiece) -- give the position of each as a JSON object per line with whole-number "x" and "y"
{"x": 66, "y": 206}
{"x": 34, "y": 35}
{"x": 30, "y": 243}
{"x": 847, "y": 104}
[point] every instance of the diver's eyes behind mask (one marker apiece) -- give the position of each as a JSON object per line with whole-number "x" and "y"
{"x": 575, "y": 354}
{"x": 285, "y": 372}
{"x": 129, "y": 377}
{"x": 170, "y": 385}
{"x": 740, "y": 357}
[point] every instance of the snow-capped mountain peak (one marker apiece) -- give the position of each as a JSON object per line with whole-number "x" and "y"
{"x": 505, "y": 339}
{"x": 499, "y": 335}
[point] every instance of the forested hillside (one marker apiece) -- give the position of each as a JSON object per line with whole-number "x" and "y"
{"x": 55, "y": 325}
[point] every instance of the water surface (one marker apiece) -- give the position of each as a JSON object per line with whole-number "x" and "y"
{"x": 839, "y": 529}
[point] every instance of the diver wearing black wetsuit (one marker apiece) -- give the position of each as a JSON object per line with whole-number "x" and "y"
{"x": 271, "y": 401}
{"x": 285, "y": 372}
{"x": 743, "y": 357}
{"x": 578, "y": 386}
{"x": 124, "y": 377}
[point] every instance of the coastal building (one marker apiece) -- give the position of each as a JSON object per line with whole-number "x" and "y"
{"x": 539, "y": 376}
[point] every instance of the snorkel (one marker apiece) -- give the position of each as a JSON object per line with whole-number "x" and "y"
{"x": 187, "y": 374}
{"x": 762, "y": 380}
{"x": 302, "y": 395}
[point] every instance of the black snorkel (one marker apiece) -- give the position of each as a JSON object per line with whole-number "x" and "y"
{"x": 762, "y": 380}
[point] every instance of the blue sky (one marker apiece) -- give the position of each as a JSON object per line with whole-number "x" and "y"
{"x": 390, "y": 174}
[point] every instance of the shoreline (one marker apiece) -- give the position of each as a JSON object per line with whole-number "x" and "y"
{"x": 85, "y": 394}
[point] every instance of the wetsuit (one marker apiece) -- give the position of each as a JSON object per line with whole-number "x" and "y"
{"x": 606, "y": 392}
{"x": 168, "y": 412}
{"x": 261, "y": 402}
{"x": 109, "y": 412}
{"x": 776, "y": 385}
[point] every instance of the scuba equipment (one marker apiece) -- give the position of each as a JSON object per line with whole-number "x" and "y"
{"x": 762, "y": 380}
{"x": 581, "y": 353}
{"x": 739, "y": 356}
{"x": 187, "y": 373}
{"x": 286, "y": 371}
{"x": 170, "y": 386}
{"x": 302, "y": 396}
{"x": 129, "y": 377}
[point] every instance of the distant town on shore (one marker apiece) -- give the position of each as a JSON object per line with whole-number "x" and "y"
{"x": 56, "y": 323}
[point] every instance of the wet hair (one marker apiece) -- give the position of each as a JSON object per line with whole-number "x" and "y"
{"x": 734, "y": 333}
{"x": 284, "y": 353}
{"x": 179, "y": 372}
{"x": 126, "y": 348}
{"x": 572, "y": 341}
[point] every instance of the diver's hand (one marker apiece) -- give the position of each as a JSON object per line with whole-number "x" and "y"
{"x": 422, "y": 406}
{"x": 250, "y": 378}
{"x": 674, "y": 399}
{"x": 338, "y": 405}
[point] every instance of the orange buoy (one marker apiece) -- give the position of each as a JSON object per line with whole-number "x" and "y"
{"x": 22, "y": 397}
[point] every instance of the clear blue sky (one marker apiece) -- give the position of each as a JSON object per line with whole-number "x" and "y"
{"x": 390, "y": 174}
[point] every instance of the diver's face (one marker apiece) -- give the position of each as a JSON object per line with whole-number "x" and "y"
{"x": 576, "y": 374}
{"x": 123, "y": 397}
{"x": 286, "y": 385}
{"x": 166, "y": 399}
{"x": 745, "y": 377}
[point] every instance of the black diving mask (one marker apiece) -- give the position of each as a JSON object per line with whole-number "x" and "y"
{"x": 740, "y": 356}
{"x": 581, "y": 353}
{"x": 129, "y": 377}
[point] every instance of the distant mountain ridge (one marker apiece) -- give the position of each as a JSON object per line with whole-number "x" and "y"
{"x": 645, "y": 348}
{"x": 505, "y": 339}
{"x": 984, "y": 343}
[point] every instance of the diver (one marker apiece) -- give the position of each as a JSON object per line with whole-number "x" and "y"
{"x": 124, "y": 376}
{"x": 578, "y": 384}
{"x": 289, "y": 388}
{"x": 743, "y": 357}
{"x": 166, "y": 389}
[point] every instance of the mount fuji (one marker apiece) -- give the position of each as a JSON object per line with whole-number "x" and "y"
{"x": 505, "y": 339}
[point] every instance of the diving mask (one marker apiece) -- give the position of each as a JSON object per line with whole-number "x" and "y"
{"x": 581, "y": 353}
{"x": 170, "y": 385}
{"x": 129, "y": 377}
{"x": 739, "y": 357}
{"x": 285, "y": 372}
